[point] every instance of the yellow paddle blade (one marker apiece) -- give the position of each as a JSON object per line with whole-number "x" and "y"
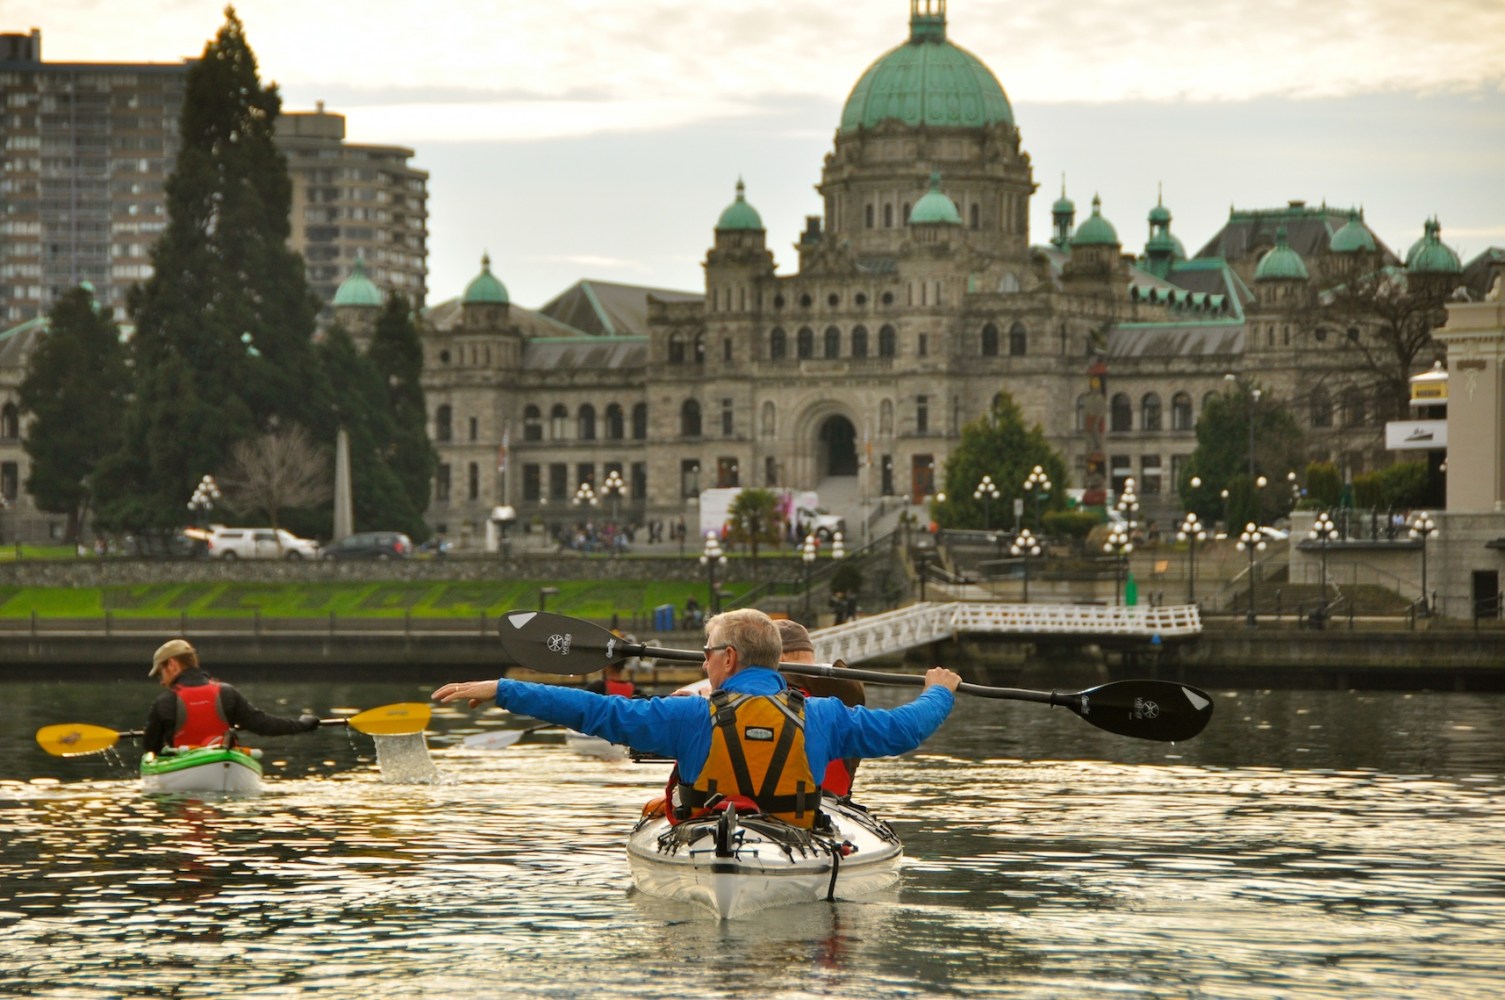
{"x": 75, "y": 739}
{"x": 392, "y": 720}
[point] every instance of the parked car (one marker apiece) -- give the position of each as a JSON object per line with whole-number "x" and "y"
{"x": 369, "y": 545}
{"x": 259, "y": 543}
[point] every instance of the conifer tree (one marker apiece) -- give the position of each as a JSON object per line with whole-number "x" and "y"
{"x": 362, "y": 406}
{"x": 223, "y": 343}
{"x": 396, "y": 353}
{"x": 75, "y": 390}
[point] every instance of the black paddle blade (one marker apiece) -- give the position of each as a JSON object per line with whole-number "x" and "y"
{"x": 1147, "y": 710}
{"x": 558, "y": 644}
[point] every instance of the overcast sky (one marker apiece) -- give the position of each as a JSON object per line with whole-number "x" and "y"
{"x": 602, "y": 138}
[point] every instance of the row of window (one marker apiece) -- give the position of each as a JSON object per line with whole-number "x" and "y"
{"x": 1351, "y": 407}
{"x": 683, "y": 348}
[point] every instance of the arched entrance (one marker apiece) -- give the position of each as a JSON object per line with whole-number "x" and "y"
{"x": 837, "y": 448}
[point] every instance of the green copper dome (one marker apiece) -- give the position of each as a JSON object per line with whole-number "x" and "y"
{"x": 1354, "y": 237}
{"x": 1431, "y": 256}
{"x": 935, "y": 207}
{"x": 485, "y": 288}
{"x": 358, "y": 290}
{"x": 927, "y": 81}
{"x": 739, "y": 214}
{"x": 1096, "y": 231}
{"x": 1281, "y": 263}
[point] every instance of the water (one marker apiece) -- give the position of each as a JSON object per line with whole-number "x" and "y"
{"x": 1328, "y": 845}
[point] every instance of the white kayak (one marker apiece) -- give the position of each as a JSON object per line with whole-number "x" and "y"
{"x": 594, "y": 746}
{"x": 202, "y": 769}
{"x": 736, "y": 864}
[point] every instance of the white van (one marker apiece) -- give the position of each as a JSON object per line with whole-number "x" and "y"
{"x": 259, "y": 543}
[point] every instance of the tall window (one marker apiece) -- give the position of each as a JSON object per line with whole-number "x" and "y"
{"x": 859, "y": 342}
{"x": 888, "y": 342}
{"x": 922, "y": 414}
{"x": 559, "y": 481}
{"x": 1121, "y": 416}
{"x": 587, "y": 421}
{"x": 441, "y": 483}
{"x": 689, "y": 419}
{"x": 474, "y": 428}
{"x": 1018, "y": 341}
{"x": 444, "y": 423}
{"x": 833, "y": 342}
{"x": 614, "y": 424}
{"x": 778, "y": 344}
{"x": 677, "y": 349}
{"x": 10, "y": 421}
{"x": 532, "y": 483}
{"x": 532, "y": 424}
{"x": 1149, "y": 413}
{"x": 1181, "y": 412}
{"x": 559, "y": 422}
{"x": 805, "y": 343}
{"x": 473, "y": 482}
{"x": 640, "y": 421}
{"x": 1322, "y": 408}
{"x": 728, "y": 418}
{"x": 768, "y": 423}
{"x": 990, "y": 341}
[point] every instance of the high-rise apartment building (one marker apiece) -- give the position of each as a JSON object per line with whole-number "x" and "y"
{"x": 86, "y": 148}
{"x": 353, "y": 202}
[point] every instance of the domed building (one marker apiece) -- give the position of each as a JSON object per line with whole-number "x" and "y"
{"x": 914, "y": 300}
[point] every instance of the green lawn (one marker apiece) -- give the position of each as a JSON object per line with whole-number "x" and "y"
{"x": 583, "y": 598}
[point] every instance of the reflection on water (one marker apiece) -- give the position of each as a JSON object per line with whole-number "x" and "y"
{"x": 1312, "y": 845}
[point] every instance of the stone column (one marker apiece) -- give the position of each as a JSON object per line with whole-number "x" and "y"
{"x": 1475, "y": 338}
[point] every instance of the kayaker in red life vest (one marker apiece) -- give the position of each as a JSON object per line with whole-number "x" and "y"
{"x": 799, "y": 649}
{"x": 614, "y": 679}
{"x": 196, "y": 710}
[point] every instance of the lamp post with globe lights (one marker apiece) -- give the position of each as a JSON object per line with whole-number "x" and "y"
{"x": 1423, "y": 527}
{"x": 1026, "y": 547}
{"x": 987, "y": 491}
{"x": 1251, "y": 540}
{"x": 808, "y": 551}
{"x": 1037, "y": 484}
{"x": 202, "y": 501}
{"x": 1119, "y": 546}
{"x": 613, "y": 487}
{"x": 1191, "y": 531}
{"x": 712, "y": 558}
{"x": 1323, "y": 532}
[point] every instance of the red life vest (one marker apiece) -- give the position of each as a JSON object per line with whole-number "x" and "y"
{"x": 203, "y": 719}
{"x": 838, "y": 777}
{"x": 623, "y": 689}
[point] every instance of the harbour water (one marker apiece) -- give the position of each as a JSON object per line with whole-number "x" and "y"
{"x": 1308, "y": 844}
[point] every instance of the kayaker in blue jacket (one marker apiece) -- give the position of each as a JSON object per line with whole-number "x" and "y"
{"x": 741, "y": 648}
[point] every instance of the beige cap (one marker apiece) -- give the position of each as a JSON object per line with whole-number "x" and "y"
{"x": 166, "y": 651}
{"x": 795, "y": 637}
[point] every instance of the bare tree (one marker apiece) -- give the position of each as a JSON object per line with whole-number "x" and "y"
{"x": 277, "y": 471}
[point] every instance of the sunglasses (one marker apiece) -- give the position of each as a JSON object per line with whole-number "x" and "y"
{"x": 708, "y": 650}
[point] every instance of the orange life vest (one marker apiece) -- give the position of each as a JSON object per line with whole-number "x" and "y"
{"x": 204, "y": 722}
{"x": 757, "y": 760}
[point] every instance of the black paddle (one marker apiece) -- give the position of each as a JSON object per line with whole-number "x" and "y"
{"x": 1145, "y": 709}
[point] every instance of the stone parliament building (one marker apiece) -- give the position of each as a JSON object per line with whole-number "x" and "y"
{"x": 918, "y": 298}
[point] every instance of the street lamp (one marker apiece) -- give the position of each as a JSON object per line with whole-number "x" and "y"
{"x": 711, "y": 558}
{"x": 1422, "y": 526}
{"x": 613, "y": 487}
{"x": 838, "y": 546}
{"x": 1251, "y": 540}
{"x": 1118, "y": 545}
{"x": 1191, "y": 531}
{"x": 1324, "y": 531}
{"x": 1037, "y": 485}
{"x": 1254, "y": 394}
{"x": 987, "y": 491}
{"x": 203, "y": 499}
{"x": 1128, "y": 503}
{"x": 584, "y": 496}
{"x": 807, "y": 556}
{"x": 1026, "y": 547}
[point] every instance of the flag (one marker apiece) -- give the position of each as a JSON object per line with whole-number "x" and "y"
{"x": 501, "y": 452}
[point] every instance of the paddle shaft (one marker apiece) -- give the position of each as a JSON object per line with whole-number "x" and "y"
{"x": 878, "y": 677}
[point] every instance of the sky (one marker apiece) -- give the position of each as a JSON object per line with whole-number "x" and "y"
{"x": 602, "y": 138}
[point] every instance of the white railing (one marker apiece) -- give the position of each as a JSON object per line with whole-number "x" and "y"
{"x": 919, "y": 624}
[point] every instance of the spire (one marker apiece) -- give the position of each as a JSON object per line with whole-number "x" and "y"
{"x": 927, "y": 21}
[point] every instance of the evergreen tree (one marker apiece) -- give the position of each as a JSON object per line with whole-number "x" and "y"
{"x": 75, "y": 388}
{"x": 755, "y": 520}
{"x": 1221, "y": 459}
{"x": 396, "y": 353}
{"x": 223, "y": 344}
{"x": 997, "y": 445}
{"x": 362, "y": 405}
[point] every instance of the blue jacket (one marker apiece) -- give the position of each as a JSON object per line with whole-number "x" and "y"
{"x": 680, "y": 727}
